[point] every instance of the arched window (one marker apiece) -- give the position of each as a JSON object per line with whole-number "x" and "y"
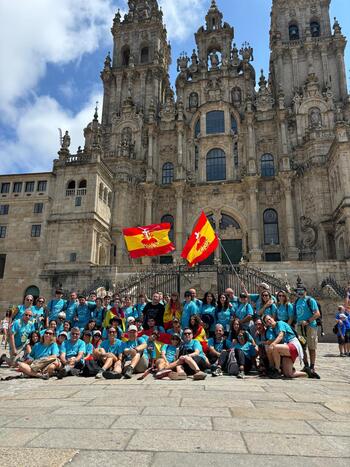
{"x": 234, "y": 126}
{"x": 235, "y": 155}
{"x": 169, "y": 219}
{"x": 271, "y": 234}
{"x": 197, "y": 128}
{"x": 267, "y": 165}
{"x": 216, "y": 165}
{"x": 32, "y": 290}
{"x": 215, "y": 122}
{"x": 71, "y": 185}
{"x": 125, "y": 56}
{"x": 315, "y": 29}
{"x": 145, "y": 55}
{"x": 228, "y": 221}
{"x": 167, "y": 173}
{"x": 193, "y": 100}
{"x": 82, "y": 184}
{"x": 293, "y": 32}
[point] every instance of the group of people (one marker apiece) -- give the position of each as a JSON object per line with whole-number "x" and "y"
{"x": 113, "y": 337}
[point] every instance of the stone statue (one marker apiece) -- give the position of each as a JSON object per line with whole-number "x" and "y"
{"x": 315, "y": 118}
{"x": 193, "y": 101}
{"x": 309, "y": 233}
{"x": 236, "y": 96}
{"x": 214, "y": 60}
{"x": 66, "y": 141}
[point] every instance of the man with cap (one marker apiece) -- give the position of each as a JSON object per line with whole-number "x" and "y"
{"x": 167, "y": 363}
{"x": 256, "y": 298}
{"x": 343, "y": 327}
{"x": 135, "y": 361}
{"x": 55, "y": 306}
{"x": 109, "y": 355}
{"x": 60, "y": 322}
{"x": 72, "y": 354}
{"x": 306, "y": 313}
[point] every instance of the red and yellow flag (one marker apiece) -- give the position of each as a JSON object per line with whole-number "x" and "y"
{"x": 202, "y": 242}
{"x": 152, "y": 240}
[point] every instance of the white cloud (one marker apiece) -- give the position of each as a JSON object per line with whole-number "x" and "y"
{"x": 37, "y": 32}
{"x": 181, "y": 16}
{"x": 37, "y": 140}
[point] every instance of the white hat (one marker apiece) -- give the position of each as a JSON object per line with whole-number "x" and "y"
{"x": 130, "y": 319}
{"x": 62, "y": 315}
{"x": 132, "y": 328}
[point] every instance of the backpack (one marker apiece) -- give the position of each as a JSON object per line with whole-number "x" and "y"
{"x": 91, "y": 368}
{"x": 319, "y": 320}
{"x": 232, "y": 365}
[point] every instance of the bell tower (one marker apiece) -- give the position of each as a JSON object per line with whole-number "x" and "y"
{"x": 302, "y": 44}
{"x": 138, "y": 68}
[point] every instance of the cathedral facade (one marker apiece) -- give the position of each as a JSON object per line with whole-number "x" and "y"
{"x": 267, "y": 158}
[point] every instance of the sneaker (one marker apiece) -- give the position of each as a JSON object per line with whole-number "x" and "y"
{"x": 128, "y": 372}
{"x": 45, "y": 376}
{"x": 241, "y": 375}
{"x": 315, "y": 375}
{"x": 99, "y": 374}
{"x": 111, "y": 374}
{"x": 175, "y": 376}
{"x": 162, "y": 374}
{"x": 200, "y": 375}
{"x": 75, "y": 372}
{"x": 62, "y": 373}
{"x": 217, "y": 372}
{"x": 275, "y": 374}
{"x": 2, "y": 359}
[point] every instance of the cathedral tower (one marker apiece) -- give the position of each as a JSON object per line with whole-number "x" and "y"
{"x": 302, "y": 44}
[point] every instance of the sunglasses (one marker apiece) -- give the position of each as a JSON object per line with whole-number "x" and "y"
{"x": 75, "y": 334}
{"x": 187, "y": 333}
{"x": 110, "y": 332}
{"x": 49, "y": 333}
{"x": 26, "y": 314}
{"x": 41, "y": 301}
{"x": 29, "y": 299}
{"x": 265, "y": 295}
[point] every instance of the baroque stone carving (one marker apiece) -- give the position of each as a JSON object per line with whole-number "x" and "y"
{"x": 309, "y": 235}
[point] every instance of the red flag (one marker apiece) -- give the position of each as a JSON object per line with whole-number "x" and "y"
{"x": 202, "y": 242}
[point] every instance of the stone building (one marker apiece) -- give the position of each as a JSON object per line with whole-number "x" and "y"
{"x": 266, "y": 158}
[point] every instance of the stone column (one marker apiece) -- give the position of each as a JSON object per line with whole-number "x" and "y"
{"x": 179, "y": 194}
{"x": 255, "y": 251}
{"x": 286, "y": 182}
{"x": 295, "y": 68}
{"x": 342, "y": 73}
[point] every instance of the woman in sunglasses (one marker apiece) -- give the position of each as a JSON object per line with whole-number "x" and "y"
{"x": 43, "y": 359}
{"x": 268, "y": 306}
{"x": 285, "y": 310}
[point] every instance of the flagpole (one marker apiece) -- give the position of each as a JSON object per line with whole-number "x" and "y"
{"x": 232, "y": 266}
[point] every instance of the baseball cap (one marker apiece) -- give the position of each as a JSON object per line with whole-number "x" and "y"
{"x": 63, "y": 333}
{"x": 95, "y": 333}
{"x": 264, "y": 285}
{"x": 87, "y": 333}
{"x": 342, "y": 316}
{"x": 132, "y": 328}
{"x": 62, "y": 315}
{"x": 130, "y": 319}
{"x": 177, "y": 336}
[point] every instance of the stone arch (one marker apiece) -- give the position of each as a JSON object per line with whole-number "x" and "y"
{"x": 82, "y": 183}
{"x": 145, "y": 53}
{"x": 125, "y": 55}
{"x": 71, "y": 185}
{"x": 32, "y": 290}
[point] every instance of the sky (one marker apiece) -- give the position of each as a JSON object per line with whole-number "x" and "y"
{"x": 51, "y": 55}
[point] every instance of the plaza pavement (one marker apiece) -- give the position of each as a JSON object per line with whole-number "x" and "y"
{"x": 217, "y": 422}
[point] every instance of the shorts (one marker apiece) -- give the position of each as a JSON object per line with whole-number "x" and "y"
{"x": 341, "y": 340}
{"x": 202, "y": 365}
{"x": 293, "y": 351}
{"x": 347, "y": 336}
{"x": 142, "y": 365}
{"x": 311, "y": 336}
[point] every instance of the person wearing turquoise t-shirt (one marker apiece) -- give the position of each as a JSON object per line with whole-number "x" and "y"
{"x": 245, "y": 353}
{"x": 38, "y": 311}
{"x": 218, "y": 352}
{"x": 244, "y": 312}
{"x": 47, "y": 347}
{"x": 192, "y": 360}
{"x": 189, "y": 309}
{"x": 224, "y": 311}
{"x": 20, "y": 309}
{"x": 72, "y": 355}
{"x": 109, "y": 355}
{"x": 87, "y": 336}
{"x": 166, "y": 364}
{"x": 129, "y": 309}
{"x": 55, "y": 306}
{"x": 19, "y": 334}
{"x": 208, "y": 309}
{"x": 71, "y": 307}
{"x": 306, "y": 313}
{"x": 284, "y": 344}
{"x": 284, "y": 308}
{"x": 84, "y": 310}
{"x": 98, "y": 313}
{"x": 135, "y": 358}
{"x": 268, "y": 306}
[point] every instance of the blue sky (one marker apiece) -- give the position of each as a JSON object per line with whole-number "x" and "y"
{"x": 51, "y": 64}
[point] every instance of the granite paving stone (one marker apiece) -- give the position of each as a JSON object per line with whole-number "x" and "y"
{"x": 35, "y": 457}
{"x": 64, "y": 421}
{"x": 163, "y": 422}
{"x": 13, "y": 437}
{"x": 188, "y": 411}
{"x": 263, "y": 425}
{"x": 112, "y": 458}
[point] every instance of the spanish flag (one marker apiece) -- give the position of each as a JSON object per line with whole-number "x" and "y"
{"x": 202, "y": 242}
{"x": 152, "y": 240}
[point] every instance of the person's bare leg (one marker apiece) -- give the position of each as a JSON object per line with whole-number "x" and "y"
{"x": 289, "y": 371}
{"x": 26, "y": 369}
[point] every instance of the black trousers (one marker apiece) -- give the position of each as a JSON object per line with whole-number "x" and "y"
{"x": 202, "y": 365}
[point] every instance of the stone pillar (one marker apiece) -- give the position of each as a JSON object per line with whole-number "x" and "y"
{"x": 325, "y": 66}
{"x": 255, "y": 251}
{"x": 286, "y": 182}
{"x": 150, "y": 150}
{"x": 179, "y": 230}
{"x": 342, "y": 73}
{"x": 295, "y": 68}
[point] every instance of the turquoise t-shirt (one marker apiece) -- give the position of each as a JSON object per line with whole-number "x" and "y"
{"x": 21, "y": 310}
{"x": 151, "y": 349}
{"x": 40, "y": 350}
{"x": 22, "y": 331}
{"x": 88, "y": 349}
{"x": 55, "y": 306}
{"x": 71, "y": 310}
{"x": 281, "y": 326}
{"x": 192, "y": 346}
{"x": 304, "y": 312}
{"x": 189, "y": 309}
{"x": 243, "y": 310}
{"x": 71, "y": 349}
{"x": 131, "y": 311}
{"x": 170, "y": 352}
{"x": 219, "y": 345}
{"x": 98, "y": 315}
{"x": 132, "y": 344}
{"x": 248, "y": 349}
{"x": 284, "y": 312}
{"x": 208, "y": 310}
{"x": 116, "y": 348}
{"x": 271, "y": 310}
{"x": 224, "y": 318}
